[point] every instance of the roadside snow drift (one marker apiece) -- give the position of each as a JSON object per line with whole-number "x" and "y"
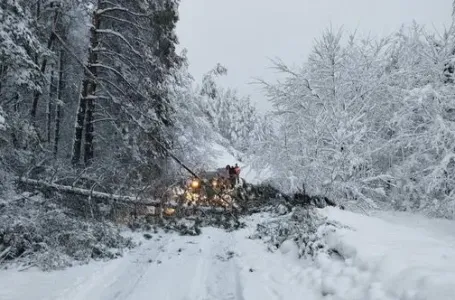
{"x": 393, "y": 256}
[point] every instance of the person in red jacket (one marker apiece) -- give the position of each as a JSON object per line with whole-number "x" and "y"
{"x": 237, "y": 173}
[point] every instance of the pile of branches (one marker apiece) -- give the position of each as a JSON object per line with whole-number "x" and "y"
{"x": 40, "y": 232}
{"x": 189, "y": 225}
{"x": 250, "y": 199}
{"x": 295, "y": 220}
{"x": 194, "y": 226}
{"x": 256, "y": 198}
{"x": 190, "y": 221}
{"x": 300, "y": 225}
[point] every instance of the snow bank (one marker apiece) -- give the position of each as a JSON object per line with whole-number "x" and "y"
{"x": 349, "y": 256}
{"x": 393, "y": 259}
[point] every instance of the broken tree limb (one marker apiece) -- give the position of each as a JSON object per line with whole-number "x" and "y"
{"x": 87, "y": 192}
{"x": 43, "y": 185}
{"x": 4, "y": 253}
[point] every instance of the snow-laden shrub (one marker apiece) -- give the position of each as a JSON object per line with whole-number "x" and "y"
{"x": 302, "y": 226}
{"x": 368, "y": 122}
{"x": 36, "y": 231}
{"x": 423, "y": 176}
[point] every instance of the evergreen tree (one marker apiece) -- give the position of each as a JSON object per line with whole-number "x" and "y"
{"x": 132, "y": 51}
{"x": 19, "y": 45}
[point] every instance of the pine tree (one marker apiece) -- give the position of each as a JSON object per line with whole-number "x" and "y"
{"x": 132, "y": 51}
{"x": 18, "y": 46}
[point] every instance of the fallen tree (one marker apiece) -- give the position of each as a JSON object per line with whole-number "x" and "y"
{"x": 40, "y": 184}
{"x": 136, "y": 202}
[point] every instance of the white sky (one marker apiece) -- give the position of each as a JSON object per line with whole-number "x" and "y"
{"x": 243, "y": 34}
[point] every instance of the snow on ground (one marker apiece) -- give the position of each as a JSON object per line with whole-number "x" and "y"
{"x": 384, "y": 258}
{"x": 440, "y": 228}
{"x": 216, "y": 265}
{"x": 401, "y": 256}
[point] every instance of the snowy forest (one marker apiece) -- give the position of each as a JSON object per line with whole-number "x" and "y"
{"x": 94, "y": 89}
{"x": 368, "y": 122}
{"x": 95, "y": 99}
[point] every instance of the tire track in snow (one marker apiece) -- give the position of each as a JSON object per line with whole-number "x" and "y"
{"x": 224, "y": 280}
{"x": 266, "y": 275}
{"x": 130, "y": 277}
{"x": 125, "y": 272}
{"x": 197, "y": 287}
{"x": 181, "y": 273}
{"x": 238, "y": 283}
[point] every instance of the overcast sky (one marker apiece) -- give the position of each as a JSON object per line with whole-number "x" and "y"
{"x": 243, "y": 34}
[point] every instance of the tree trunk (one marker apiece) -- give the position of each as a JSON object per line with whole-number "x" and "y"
{"x": 50, "y": 42}
{"x": 38, "y": 9}
{"x": 49, "y": 107}
{"x": 16, "y": 102}
{"x": 79, "y": 126}
{"x": 43, "y": 185}
{"x": 88, "y": 151}
{"x": 93, "y": 58}
{"x": 86, "y": 101}
{"x": 58, "y": 106}
{"x": 2, "y": 74}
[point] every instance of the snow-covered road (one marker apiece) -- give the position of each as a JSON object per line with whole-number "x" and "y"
{"x": 215, "y": 265}
{"x": 387, "y": 257}
{"x": 167, "y": 267}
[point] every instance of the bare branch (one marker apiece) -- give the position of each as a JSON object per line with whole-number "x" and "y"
{"x": 120, "y": 36}
{"x": 102, "y": 12}
{"x": 136, "y": 25}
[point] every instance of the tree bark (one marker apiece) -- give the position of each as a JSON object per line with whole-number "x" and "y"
{"x": 86, "y": 192}
{"x": 100, "y": 196}
{"x": 2, "y": 73}
{"x": 58, "y": 106}
{"x": 93, "y": 59}
{"x": 50, "y": 42}
{"x": 86, "y": 101}
{"x": 79, "y": 126}
{"x": 49, "y": 107}
{"x": 38, "y": 9}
